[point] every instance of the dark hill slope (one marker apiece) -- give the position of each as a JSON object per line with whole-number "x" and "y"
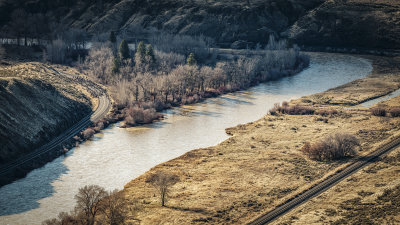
{"x": 359, "y": 23}
{"x": 344, "y": 23}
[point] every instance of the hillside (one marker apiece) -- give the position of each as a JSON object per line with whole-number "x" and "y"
{"x": 350, "y": 23}
{"x": 36, "y": 104}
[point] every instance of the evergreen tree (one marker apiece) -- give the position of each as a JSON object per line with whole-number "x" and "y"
{"x": 150, "y": 58}
{"x": 191, "y": 61}
{"x": 124, "y": 50}
{"x": 112, "y": 38}
{"x": 141, "y": 50}
{"x": 116, "y": 65}
{"x": 140, "y": 57}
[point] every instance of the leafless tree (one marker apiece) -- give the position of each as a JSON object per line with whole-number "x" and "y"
{"x": 99, "y": 63}
{"x": 88, "y": 201}
{"x": 114, "y": 208}
{"x": 162, "y": 182}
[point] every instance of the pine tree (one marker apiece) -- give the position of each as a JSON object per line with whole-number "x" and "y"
{"x": 124, "y": 50}
{"x": 141, "y": 50}
{"x": 112, "y": 38}
{"x": 116, "y": 65}
{"x": 150, "y": 58}
{"x": 191, "y": 61}
{"x": 140, "y": 57}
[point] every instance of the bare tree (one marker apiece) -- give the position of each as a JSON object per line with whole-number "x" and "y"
{"x": 88, "y": 201}
{"x": 114, "y": 207}
{"x": 162, "y": 181}
{"x": 99, "y": 63}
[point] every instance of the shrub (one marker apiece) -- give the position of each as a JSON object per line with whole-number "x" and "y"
{"x": 326, "y": 112}
{"x": 88, "y": 133}
{"x": 138, "y": 115}
{"x": 395, "y": 112}
{"x": 378, "y": 111}
{"x": 334, "y": 146}
{"x": 292, "y": 110}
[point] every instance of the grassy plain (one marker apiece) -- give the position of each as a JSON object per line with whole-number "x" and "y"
{"x": 261, "y": 166}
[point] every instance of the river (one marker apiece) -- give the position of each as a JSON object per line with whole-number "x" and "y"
{"x": 117, "y": 155}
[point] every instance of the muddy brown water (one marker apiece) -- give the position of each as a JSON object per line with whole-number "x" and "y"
{"x": 117, "y": 155}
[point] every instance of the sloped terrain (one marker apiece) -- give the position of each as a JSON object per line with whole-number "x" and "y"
{"x": 359, "y": 23}
{"x": 334, "y": 23}
{"x": 36, "y": 104}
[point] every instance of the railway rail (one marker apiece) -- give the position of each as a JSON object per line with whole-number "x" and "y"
{"x": 326, "y": 184}
{"x": 101, "y": 110}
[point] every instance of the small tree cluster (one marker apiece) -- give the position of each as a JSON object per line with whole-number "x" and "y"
{"x": 332, "y": 147}
{"x": 94, "y": 205}
{"x": 138, "y": 115}
{"x": 145, "y": 59}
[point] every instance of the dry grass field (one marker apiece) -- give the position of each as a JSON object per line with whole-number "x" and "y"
{"x": 261, "y": 166}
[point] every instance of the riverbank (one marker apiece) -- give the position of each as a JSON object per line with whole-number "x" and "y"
{"x": 261, "y": 166}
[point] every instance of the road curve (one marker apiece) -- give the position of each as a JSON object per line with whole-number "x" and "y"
{"x": 101, "y": 110}
{"x": 326, "y": 184}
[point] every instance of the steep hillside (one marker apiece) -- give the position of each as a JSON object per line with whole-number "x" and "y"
{"x": 36, "y": 104}
{"x": 359, "y": 23}
{"x": 336, "y": 23}
{"x": 226, "y": 20}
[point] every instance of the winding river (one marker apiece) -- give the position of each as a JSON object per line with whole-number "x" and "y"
{"x": 116, "y": 156}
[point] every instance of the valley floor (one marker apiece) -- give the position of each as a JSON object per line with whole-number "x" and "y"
{"x": 261, "y": 166}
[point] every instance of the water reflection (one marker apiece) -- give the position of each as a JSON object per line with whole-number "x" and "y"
{"x": 119, "y": 155}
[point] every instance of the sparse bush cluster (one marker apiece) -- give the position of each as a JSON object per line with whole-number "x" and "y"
{"x": 382, "y": 111}
{"x": 291, "y": 110}
{"x": 332, "y": 147}
{"x": 285, "y": 108}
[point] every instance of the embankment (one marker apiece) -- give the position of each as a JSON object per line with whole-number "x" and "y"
{"x": 36, "y": 105}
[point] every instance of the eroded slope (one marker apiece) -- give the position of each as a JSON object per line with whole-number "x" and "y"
{"x": 36, "y": 104}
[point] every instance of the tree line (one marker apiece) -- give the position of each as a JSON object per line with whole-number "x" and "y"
{"x": 152, "y": 78}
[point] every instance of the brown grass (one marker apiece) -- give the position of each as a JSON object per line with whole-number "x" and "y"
{"x": 256, "y": 169}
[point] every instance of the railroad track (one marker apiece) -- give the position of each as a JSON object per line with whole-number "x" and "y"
{"x": 326, "y": 184}
{"x": 101, "y": 110}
